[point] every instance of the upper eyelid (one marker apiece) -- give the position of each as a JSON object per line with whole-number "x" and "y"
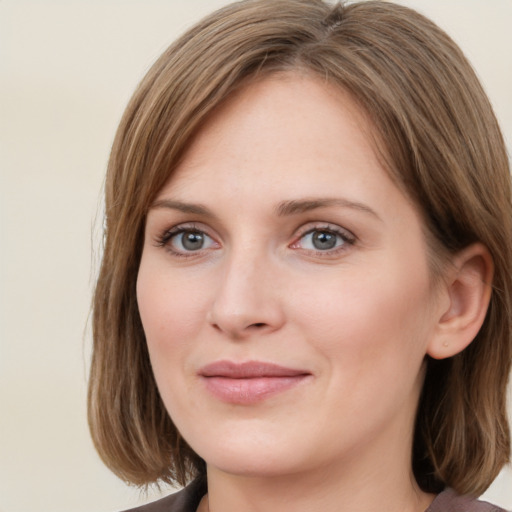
{"x": 160, "y": 225}
{"x": 162, "y": 236}
{"x": 186, "y": 226}
{"x": 324, "y": 226}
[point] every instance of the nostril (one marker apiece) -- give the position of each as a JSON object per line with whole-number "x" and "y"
{"x": 258, "y": 325}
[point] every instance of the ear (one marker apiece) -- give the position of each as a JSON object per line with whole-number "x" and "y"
{"x": 468, "y": 287}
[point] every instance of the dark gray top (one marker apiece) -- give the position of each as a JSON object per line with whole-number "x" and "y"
{"x": 187, "y": 500}
{"x": 450, "y": 501}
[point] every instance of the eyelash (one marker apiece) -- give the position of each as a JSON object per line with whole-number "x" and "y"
{"x": 165, "y": 239}
{"x": 346, "y": 237}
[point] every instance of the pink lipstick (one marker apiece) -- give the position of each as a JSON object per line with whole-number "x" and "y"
{"x": 250, "y": 382}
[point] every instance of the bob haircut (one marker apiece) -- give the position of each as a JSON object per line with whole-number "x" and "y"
{"x": 438, "y": 138}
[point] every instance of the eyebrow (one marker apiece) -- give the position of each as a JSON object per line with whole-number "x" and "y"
{"x": 196, "y": 209}
{"x": 297, "y": 206}
{"x": 283, "y": 209}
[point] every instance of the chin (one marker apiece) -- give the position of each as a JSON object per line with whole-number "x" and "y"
{"x": 252, "y": 466}
{"x": 250, "y": 456}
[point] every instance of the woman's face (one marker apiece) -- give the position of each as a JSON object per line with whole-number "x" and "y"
{"x": 284, "y": 289}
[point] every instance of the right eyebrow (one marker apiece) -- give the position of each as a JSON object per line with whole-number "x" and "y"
{"x": 194, "y": 208}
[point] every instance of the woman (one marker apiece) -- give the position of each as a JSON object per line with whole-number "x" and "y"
{"x": 304, "y": 297}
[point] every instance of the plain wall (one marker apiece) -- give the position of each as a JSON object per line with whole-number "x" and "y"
{"x": 67, "y": 70}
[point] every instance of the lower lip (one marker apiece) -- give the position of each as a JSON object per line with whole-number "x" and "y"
{"x": 248, "y": 391}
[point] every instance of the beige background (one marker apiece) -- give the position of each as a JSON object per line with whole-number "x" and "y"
{"x": 67, "y": 69}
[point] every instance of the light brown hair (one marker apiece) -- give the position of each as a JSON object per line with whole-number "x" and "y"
{"x": 437, "y": 133}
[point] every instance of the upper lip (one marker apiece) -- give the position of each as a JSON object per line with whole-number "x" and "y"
{"x": 248, "y": 370}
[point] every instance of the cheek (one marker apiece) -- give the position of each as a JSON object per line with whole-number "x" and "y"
{"x": 172, "y": 314}
{"x": 170, "y": 310}
{"x": 376, "y": 319}
{"x": 372, "y": 336}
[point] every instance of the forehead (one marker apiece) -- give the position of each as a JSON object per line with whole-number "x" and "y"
{"x": 282, "y": 118}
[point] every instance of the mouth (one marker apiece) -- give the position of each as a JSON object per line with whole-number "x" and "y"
{"x": 249, "y": 382}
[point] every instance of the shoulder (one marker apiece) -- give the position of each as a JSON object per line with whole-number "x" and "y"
{"x": 186, "y": 500}
{"x": 450, "y": 501}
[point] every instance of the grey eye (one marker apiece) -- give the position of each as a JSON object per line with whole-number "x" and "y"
{"x": 324, "y": 240}
{"x": 191, "y": 240}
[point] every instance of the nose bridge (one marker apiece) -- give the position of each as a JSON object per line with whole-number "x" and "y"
{"x": 246, "y": 298}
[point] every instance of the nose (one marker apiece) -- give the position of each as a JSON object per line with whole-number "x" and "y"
{"x": 248, "y": 299}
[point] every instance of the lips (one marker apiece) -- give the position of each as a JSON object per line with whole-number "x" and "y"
{"x": 250, "y": 382}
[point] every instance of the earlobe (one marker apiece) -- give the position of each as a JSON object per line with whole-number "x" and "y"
{"x": 468, "y": 288}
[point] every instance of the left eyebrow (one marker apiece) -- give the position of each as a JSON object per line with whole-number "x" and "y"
{"x": 297, "y": 206}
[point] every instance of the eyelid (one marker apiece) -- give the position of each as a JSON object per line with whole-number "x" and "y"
{"x": 347, "y": 236}
{"x": 165, "y": 237}
{"x": 325, "y": 226}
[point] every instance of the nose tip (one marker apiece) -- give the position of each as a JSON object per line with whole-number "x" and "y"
{"x": 247, "y": 302}
{"x": 239, "y": 326}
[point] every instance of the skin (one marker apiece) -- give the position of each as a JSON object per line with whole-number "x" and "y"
{"x": 358, "y": 318}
